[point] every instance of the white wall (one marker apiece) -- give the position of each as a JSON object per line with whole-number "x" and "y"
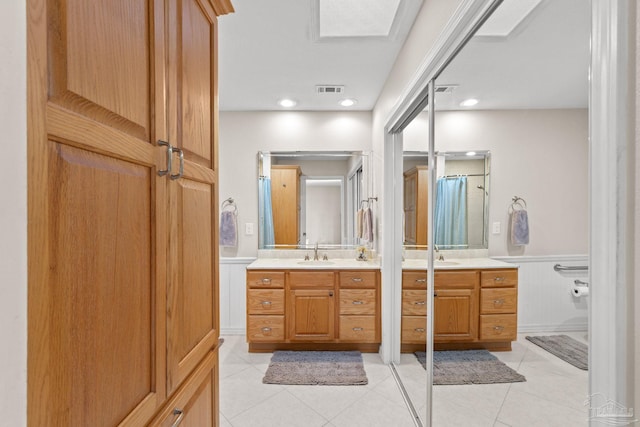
{"x": 13, "y": 215}
{"x": 243, "y": 134}
{"x": 539, "y": 155}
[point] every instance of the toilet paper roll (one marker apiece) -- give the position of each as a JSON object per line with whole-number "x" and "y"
{"x": 579, "y": 291}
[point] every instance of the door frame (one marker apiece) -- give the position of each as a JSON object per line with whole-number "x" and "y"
{"x": 611, "y": 183}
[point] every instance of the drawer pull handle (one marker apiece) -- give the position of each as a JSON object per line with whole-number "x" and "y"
{"x": 358, "y": 329}
{"x": 356, "y": 279}
{"x": 266, "y": 303}
{"x": 266, "y": 281}
{"x": 499, "y": 279}
{"x": 420, "y": 302}
{"x": 498, "y": 301}
{"x": 266, "y": 329}
{"x": 498, "y": 328}
{"x": 180, "y": 414}
{"x": 419, "y": 329}
{"x": 357, "y": 302}
{"x": 421, "y": 280}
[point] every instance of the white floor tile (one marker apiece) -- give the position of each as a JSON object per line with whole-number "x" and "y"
{"x": 244, "y": 390}
{"x": 374, "y": 410}
{"x": 521, "y": 409}
{"x": 328, "y": 400}
{"x": 281, "y": 410}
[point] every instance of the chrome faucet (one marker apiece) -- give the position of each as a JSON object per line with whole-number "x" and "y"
{"x": 315, "y": 252}
{"x": 440, "y": 257}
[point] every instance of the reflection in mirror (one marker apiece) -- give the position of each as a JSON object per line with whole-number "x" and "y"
{"x": 462, "y": 198}
{"x": 530, "y": 109}
{"x": 308, "y": 198}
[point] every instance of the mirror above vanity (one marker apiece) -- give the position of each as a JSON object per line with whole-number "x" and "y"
{"x": 462, "y": 199}
{"x": 309, "y": 198}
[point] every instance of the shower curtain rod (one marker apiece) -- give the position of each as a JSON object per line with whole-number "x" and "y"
{"x": 457, "y": 176}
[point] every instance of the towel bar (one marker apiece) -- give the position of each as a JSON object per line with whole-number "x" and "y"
{"x": 559, "y": 267}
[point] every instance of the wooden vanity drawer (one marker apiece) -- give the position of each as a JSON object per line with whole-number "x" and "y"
{"x": 498, "y": 300}
{"x": 414, "y": 330}
{"x": 414, "y": 302}
{"x": 357, "y": 279}
{"x": 456, "y": 279}
{"x": 265, "y": 328}
{"x": 358, "y": 301}
{"x": 414, "y": 279}
{"x": 498, "y": 327}
{"x": 265, "y": 279}
{"x": 499, "y": 278}
{"x": 311, "y": 279}
{"x": 265, "y": 301}
{"x": 358, "y": 328}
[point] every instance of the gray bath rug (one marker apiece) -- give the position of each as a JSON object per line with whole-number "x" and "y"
{"x": 469, "y": 367}
{"x": 316, "y": 368}
{"x": 564, "y": 347}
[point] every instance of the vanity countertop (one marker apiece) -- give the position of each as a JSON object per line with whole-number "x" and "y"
{"x": 298, "y": 264}
{"x": 457, "y": 264}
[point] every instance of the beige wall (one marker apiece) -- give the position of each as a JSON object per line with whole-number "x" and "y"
{"x": 13, "y": 215}
{"x": 539, "y": 155}
{"x": 243, "y": 134}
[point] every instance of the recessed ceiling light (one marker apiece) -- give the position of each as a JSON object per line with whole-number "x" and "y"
{"x": 287, "y": 103}
{"x": 469, "y": 102}
{"x": 348, "y": 102}
{"x": 471, "y": 153}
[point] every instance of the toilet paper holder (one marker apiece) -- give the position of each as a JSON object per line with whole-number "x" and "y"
{"x": 578, "y": 282}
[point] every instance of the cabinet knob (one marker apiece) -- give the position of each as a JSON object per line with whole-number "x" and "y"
{"x": 357, "y": 302}
{"x": 330, "y": 294}
{"x": 358, "y": 329}
{"x": 420, "y": 302}
{"x": 435, "y": 294}
{"x": 499, "y": 279}
{"x": 266, "y": 281}
{"x": 356, "y": 279}
{"x": 266, "y": 329}
{"x": 421, "y": 280}
{"x": 419, "y": 329}
{"x": 498, "y": 328}
{"x": 266, "y": 303}
{"x": 498, "y": 301}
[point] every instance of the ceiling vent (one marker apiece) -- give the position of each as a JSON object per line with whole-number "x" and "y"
{"x": 329, "y": 89}
{"x": 445, "y": 88}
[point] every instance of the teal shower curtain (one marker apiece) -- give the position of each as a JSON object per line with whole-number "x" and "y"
{"x": 266, "y": 237}
{"x": 450, "y": 226}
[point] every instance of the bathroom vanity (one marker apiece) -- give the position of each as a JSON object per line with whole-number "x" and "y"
{"x": 475, "y": 305}
{"x": 313, "y": 305}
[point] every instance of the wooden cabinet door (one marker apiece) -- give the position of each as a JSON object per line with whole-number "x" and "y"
{"x": 409, "y": 191}
{"x": 455, "y": 315}
{"x": 193, "y": 209}
{"x": 97, "y": 212}
{"x": 285, "y": 200}
{"x": 311, "y": 315}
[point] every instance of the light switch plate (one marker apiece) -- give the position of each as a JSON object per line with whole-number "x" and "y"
{"x": 248, "y": 228}
{"x": 496, "y": 228}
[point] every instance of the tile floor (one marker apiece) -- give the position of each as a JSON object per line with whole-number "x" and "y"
{"x": 553, "y": 394}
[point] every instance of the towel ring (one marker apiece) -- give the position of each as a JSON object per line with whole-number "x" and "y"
{"x": 230, "y": 203}
{"x": 518, "y": 203}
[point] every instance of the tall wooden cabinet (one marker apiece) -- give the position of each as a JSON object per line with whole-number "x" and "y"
{"x": 285, "y": 201}
{"x": 415, "y": 205}
{"x": 123, "y": 319}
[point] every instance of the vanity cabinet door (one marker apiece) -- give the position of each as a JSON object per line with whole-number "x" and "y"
{"x": 455, "y": 315}
{"x": 311, "y": 315}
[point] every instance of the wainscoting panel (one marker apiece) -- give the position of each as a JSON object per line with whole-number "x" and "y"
{"x": 233, "y": 296}
{"x": 545, "y": 300}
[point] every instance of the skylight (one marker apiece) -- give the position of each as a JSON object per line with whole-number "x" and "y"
{"x": 356, "y": 18}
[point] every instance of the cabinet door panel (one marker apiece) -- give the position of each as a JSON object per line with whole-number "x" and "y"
{"x": 103, "y": 311}
{"x": 192, "y": 321}
{"x": 455, "y": 315}
{"x": 312, "y": 315}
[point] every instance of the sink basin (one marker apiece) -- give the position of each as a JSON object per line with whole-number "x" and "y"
{"x": 436, "y": 262}
{"x": 318, "y": 262}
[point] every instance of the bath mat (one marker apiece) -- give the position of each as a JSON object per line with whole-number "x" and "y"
{"x": 316, "y": 368}
{"x": 564, "y": 347}
{"x": 468, "y": 367}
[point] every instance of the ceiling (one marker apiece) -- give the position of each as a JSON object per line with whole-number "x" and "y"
{"x": 273, "y": 49}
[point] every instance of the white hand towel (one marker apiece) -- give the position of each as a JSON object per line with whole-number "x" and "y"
{"x": 519, "y": 227}
{"x": 228, "y": 229}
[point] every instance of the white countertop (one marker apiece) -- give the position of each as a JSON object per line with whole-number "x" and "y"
{"x": 352, "y": 264}
{"x": 457, "y": 264}
{"x": 299, "y": 264}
